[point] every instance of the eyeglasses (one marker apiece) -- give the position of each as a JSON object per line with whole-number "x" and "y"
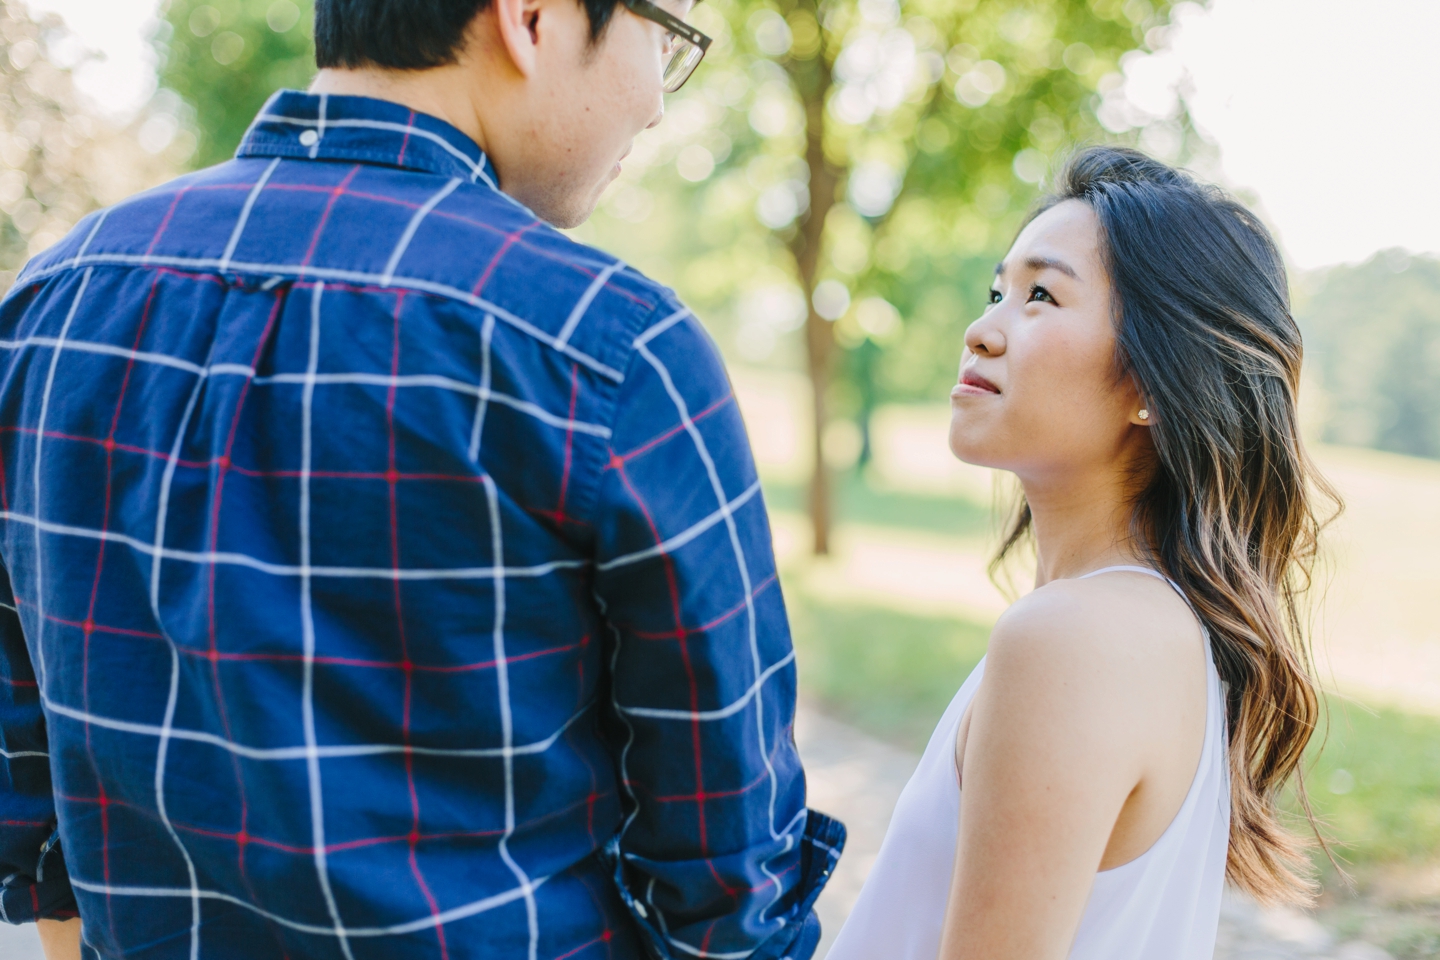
{"x": 685, "y": 46}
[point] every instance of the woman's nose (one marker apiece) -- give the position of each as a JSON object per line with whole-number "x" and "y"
{"x": 984, "y": 337}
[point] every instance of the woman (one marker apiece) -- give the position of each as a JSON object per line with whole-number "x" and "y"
{"x": 1118, "y": 754}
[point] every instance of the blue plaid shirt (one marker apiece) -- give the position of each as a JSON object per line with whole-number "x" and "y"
{"x": 387, "y": 576}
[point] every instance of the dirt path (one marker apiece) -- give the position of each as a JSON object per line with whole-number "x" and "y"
{"x": 858, "y": 779}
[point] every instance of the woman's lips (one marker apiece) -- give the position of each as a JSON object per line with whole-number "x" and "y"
{"x": 973, "y": 385}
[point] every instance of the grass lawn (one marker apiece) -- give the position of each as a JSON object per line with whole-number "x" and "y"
{"x": 889, "y": 674}
{"x": 1375, "y": 782}
{"x": 858, "y": 502}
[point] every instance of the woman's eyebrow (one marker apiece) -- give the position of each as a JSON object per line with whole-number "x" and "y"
{"x": 1042, "y": 263}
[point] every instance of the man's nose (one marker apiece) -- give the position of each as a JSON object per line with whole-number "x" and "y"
{"x": 659, "y": 115}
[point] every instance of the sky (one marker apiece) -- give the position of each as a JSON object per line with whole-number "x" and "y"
{"x": 1322, "y": 110}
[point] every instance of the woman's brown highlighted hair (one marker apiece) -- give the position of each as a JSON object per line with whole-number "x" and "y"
{"x": 1228, "y": 509}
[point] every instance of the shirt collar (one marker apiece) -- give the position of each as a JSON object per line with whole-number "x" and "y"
{"x": 319, "y": 126}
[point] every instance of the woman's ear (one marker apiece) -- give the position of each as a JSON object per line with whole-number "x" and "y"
{"x": 1141, "y": 413}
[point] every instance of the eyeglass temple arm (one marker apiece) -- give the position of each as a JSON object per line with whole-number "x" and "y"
{"x": 670, "y": 22}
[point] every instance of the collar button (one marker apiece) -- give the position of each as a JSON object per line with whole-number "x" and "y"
{"x": 309, "y": 138}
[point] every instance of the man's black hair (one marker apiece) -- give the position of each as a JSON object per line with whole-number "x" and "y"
{"x": 408, "y": 34}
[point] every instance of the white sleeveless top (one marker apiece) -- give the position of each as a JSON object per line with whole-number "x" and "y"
{"x": 1163, "y": 905}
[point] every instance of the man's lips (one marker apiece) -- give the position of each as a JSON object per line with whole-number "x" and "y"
{"x": 972, "y": 384}
{"x": 615, "y": 171}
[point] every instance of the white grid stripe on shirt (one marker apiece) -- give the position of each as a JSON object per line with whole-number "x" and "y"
{"x": 684, "y": 536}
{"x": 305, "y": 752}
{"x": 682, "y": 945}
{"x": 650, "y": 333}
{"x": 300, "y": 271}
{"x": 428, "y": 922}
{"x": 320, "y": 125}
{"x": 583, "y": 304}
{"x": 39, "y": 444}
{"x": 435, "y": 381}
{"x": 139, "y": 356}
{"x": 162, "y": 749}
{"x": 729, "y": 710}
{"x": 413, "y": 226}
{"x": 507, "y": 729}
{"x": 307, "y": 629}
{"x": 619, "y": 712}
{"x": 99, "y": 221}
{"x": 477, "y": 170}
{"x": 446, "y": 383}
{"x": 292, "y": 570}
{"x": 384, "y": 573}
{"x": 483, "y": 394}
{"x": 244, "y": 217}
{"x": 707, "y": 954}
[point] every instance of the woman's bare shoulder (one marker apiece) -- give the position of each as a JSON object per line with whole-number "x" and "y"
{"x": 1101, "y": 632}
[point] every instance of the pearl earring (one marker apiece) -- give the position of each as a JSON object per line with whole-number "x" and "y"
{"x": 1144, "y": 414}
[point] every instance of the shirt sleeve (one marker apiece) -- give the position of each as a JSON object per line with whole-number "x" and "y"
{"x": 718, "y": 854}
{"x": 35, "y": 884}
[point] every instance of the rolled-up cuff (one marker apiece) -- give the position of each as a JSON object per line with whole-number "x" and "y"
{"x": 820, "y": 849}
{"x": 819, "y": 853}
{"x": 45, "y": 896}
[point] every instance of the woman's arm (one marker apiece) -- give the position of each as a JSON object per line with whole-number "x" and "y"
{"x": 60, "y": 939}
{"x": 1054, "y": 748}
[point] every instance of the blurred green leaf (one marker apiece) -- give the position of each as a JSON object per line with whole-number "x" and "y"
{"x": 1372, "y": 336}
{"x": 938, "y": 118}
{"x": 225, "y": 58}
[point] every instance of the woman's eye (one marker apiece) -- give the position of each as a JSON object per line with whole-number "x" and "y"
{"x": 995, "y": 297}
{"x": 1039, "y": 293}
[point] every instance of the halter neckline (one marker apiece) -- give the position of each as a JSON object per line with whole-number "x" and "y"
{"x": 1125, "y": 568}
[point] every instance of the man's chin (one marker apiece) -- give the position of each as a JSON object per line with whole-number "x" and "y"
{"x": 572, "y": 217}
{"x": 564, "y": 211}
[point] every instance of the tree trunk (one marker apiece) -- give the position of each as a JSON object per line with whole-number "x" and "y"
{"x": 819, "y": 345}
{"x": 813, "y": 79}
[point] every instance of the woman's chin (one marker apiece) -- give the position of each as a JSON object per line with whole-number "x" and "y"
{"x": 972, "y": 434}
{"x": 969, "y": 450}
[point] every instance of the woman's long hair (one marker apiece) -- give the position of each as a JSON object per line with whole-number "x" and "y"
{"x": 1228, "y": 512}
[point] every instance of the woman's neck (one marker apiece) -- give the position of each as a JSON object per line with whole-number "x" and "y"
{"x": 1080, "y": 524}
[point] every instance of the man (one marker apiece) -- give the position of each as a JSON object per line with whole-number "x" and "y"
{"x": 387, "y": 573}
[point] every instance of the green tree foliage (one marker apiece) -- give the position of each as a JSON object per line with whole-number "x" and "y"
{"x": 833, "y": 186}
{"x": 225, "y": 58}
{"x": 1372, "y": 334}
{"x": 858, "y": 166}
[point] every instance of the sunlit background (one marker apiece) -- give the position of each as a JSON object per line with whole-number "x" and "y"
{"x": 1323, "y": 110}
{"x": 853, "y": 168}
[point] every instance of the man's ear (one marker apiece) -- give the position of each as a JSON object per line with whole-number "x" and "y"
{"x": 518, "y": 24}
